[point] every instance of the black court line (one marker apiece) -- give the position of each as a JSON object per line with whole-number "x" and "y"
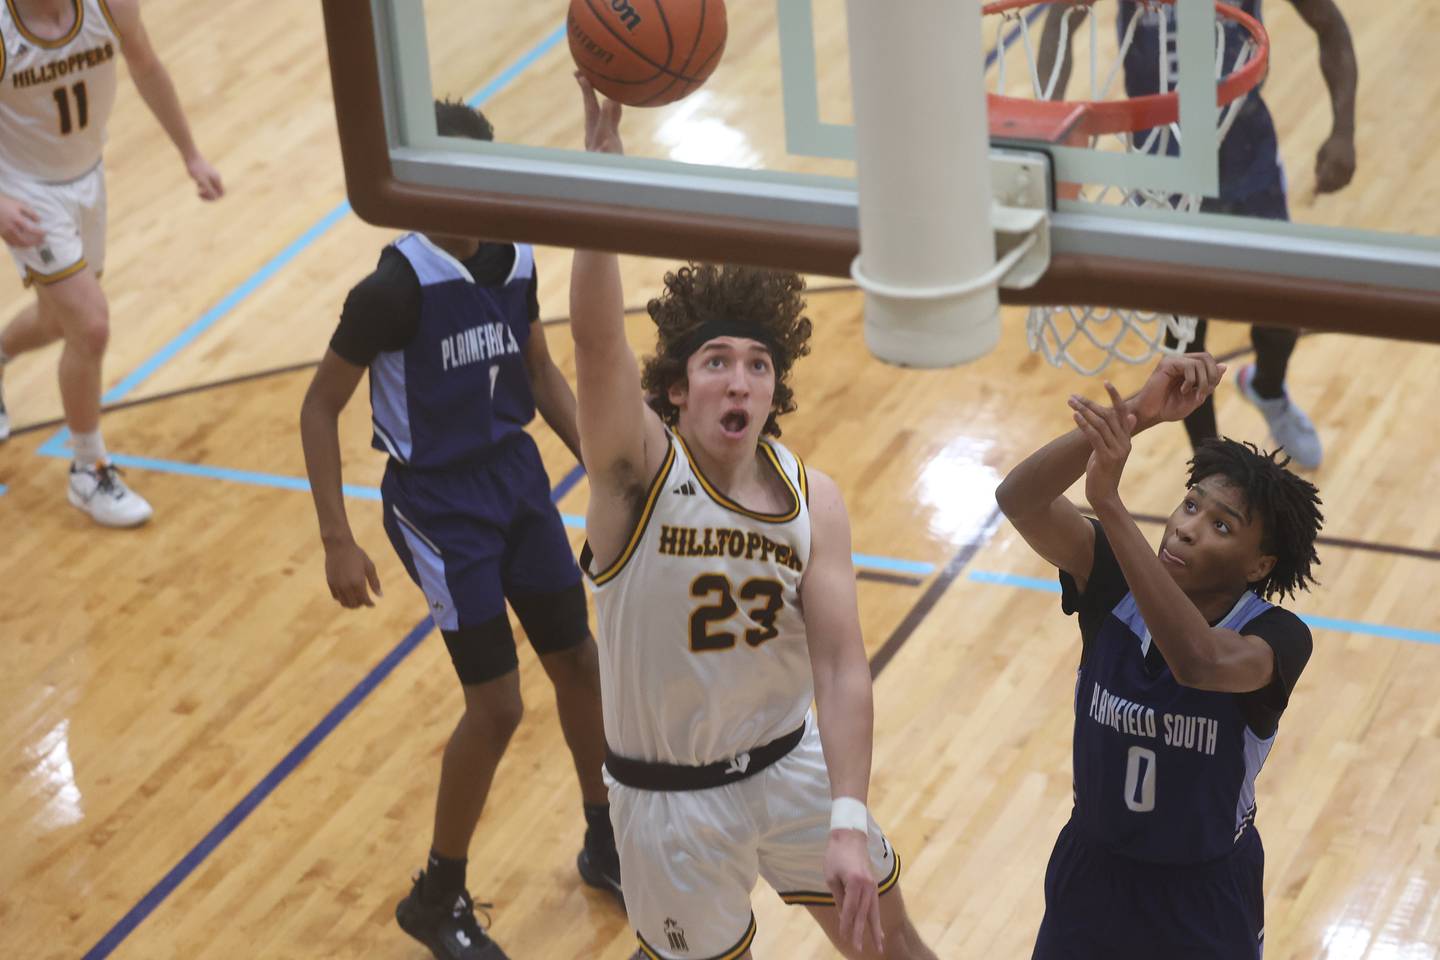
{"x": 932, "y": 595}
{"x": 904, "y": 580}
{"x": 172, "y": 394}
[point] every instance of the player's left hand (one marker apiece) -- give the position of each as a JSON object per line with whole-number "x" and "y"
{"x": 857, "y": 898}
{"x": 1335, "y": 163}
{"x": 206, "y": 177}
{"x": 1108, "y": 429}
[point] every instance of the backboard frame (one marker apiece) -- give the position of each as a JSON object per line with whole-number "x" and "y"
{"x": 1342, "y": 277}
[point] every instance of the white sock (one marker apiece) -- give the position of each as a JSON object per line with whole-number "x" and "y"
{"x": 89, "y": 449}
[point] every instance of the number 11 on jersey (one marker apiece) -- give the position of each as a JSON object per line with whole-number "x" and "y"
{"x": 82, "y": 107}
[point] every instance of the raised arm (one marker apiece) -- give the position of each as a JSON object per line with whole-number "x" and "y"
{"x": 1032, "y": 495}
{"x": 621, "y": 438}
{"x": 843, "y": 700}
{"x": 153, "y": 82}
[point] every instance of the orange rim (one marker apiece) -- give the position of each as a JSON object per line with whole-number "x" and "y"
{"x": 1014, "y": 116}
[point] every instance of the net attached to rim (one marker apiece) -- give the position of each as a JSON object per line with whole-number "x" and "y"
{"x": 1032, "y": 106}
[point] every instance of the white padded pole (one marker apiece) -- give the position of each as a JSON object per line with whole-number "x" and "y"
{"x": 927, "y": 247}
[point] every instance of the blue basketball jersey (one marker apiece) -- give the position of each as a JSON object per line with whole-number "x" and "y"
{"x": 459, "y": 388}
{"x": 1163, "y": 773}
{"x": 1250, "y": 151}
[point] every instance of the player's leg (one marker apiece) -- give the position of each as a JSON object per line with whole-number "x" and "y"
{"x": 457, "y": 565}
{"x": 543, "y": 585}
{"x": 1200, "y": 424}
{"x": 27, "y": 330}
{"x": 690, "y": 864}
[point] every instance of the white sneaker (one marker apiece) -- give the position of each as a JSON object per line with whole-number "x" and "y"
{"x": 1291, "y": 429}
{"x": 100, "y": 492}
{"x": 4, "y": 417}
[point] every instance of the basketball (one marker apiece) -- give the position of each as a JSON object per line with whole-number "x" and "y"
{"x": 646, "y": 53}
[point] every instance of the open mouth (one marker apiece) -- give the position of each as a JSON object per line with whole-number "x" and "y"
{"x": 735, "y": 422}
{"x": 1169, "y": 557}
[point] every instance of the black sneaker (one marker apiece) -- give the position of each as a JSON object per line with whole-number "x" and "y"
{"x": 450, "y": 930}
{"x": 601, "y": 870}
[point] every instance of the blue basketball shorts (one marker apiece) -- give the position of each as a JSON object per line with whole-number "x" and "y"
{"x": 472, "y": 536}
{"x": 1101, "y": 906}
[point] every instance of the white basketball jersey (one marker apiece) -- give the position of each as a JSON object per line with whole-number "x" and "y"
{"x": 56, "y": 95}
{"x": 703, "y": 653}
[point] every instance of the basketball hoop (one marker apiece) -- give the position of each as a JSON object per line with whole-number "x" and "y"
{"x": 1088, "y": 338}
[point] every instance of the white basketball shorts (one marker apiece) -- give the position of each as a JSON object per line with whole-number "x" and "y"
{"x": 690, "y": 859}
{"x": 72, "y": 216}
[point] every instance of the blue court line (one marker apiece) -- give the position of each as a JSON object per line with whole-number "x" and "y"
{"x": 231, "y": 300}
{"x": 1321, "y": 623}
{"x": 567, "y": 483}
{"x": 157, "y": 894}
{"x": 3, "y": 489}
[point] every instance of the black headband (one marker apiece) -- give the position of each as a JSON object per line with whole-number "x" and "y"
{"x": 711, "y": 329}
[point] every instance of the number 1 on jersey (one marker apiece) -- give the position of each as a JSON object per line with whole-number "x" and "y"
{"x": 82, "y": 107}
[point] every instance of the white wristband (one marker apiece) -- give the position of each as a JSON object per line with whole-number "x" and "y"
{"x": 847, "y": 813}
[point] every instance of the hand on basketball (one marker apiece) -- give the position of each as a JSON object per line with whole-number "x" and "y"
{"x": 19, "y": 225}
{"x": 348, "y": 570}
{"x": 1108, "y": 429}
{"x": 1335, "y": 163}
{"x": 857, "y": 899}
{"x": 602, "y": 120}
{"x": 1177, "y": 386}
{"x": 206, "y": 177}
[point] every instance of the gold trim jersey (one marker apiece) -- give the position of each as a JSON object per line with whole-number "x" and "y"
{"x": 56, "y": 95}
{"x": 703, "y": 652}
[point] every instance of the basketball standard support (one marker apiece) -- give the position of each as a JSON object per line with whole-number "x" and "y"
{"x": 927, "y": 244}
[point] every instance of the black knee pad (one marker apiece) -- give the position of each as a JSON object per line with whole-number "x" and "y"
{"x": 554, "y": 621}
{"x": 482, "y": 652}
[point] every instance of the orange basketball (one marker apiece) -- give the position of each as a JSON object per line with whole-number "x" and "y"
{"x": 645, "y": 53}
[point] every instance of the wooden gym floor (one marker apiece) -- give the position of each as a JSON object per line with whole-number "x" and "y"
{"x": 205, "y": 757}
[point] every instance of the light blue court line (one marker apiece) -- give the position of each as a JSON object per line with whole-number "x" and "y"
{"x": 1320, "y": 623}
{"x": 892, "y": 564}
{"x": 518, "y": 67}
{"x": 231, "y": 300}
{"x": 278, "y": 482}
{"x": 3, "y": 489}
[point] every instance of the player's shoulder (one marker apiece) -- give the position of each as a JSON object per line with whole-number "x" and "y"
{"x": 1278, "y": 625}
{"x": 122, "y": 13}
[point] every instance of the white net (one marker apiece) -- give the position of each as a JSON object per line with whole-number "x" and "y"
{"x": 1089, "y": 338}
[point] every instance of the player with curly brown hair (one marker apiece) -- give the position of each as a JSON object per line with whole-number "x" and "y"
{"x": 726, "y": 601}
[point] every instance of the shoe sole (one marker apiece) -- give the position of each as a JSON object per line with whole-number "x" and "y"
{"x": 598, "y": 880}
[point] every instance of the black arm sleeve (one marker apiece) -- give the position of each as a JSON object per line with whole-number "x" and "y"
{"x": 1105, "y": 588}
{"x": 1289, "y": 638}
{"x": 381, "y": 312}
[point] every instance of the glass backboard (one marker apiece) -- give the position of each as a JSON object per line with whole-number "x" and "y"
{"x": 758, "y": 165}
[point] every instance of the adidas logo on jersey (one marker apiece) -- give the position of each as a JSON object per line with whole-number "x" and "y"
{"x": 686, "y": 489}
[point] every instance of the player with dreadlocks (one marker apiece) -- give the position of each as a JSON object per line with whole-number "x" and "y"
{"x": 1185, "y": 669}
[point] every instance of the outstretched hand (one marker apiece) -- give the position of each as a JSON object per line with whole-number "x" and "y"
{"x": 602, "y": 120}
{"x": 1108, "y": 429}
{"x": 1176, "y": 388}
